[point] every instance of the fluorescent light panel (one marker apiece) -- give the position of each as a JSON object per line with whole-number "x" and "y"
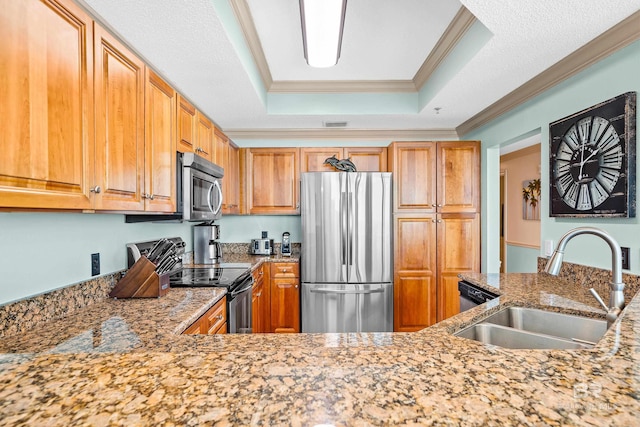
{"x": 322, "y": 25}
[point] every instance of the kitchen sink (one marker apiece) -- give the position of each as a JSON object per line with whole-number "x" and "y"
{"x": 519, "y": 327}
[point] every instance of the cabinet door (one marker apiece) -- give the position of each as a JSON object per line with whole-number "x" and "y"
{"x": 414, "y": 299}
{"x": 221, "y": 149}
{"x": 46, "y": 82}
{"x": 257, "y": 305}
{"x": 160, "y": 145}
{"x": 367, "y": 159}
{"x": 204, "y": 144}
{"x": 119, "y": 106}
{"x": 312, "y": 159}
{"x": 414, "y": 167}
{"x": 186, "y": 126}
{"x": 458, "y": 252}
{"x": 231, "y": 180}
{"x": 272, "y": 180}
{"x": 285, "y": 305}
{"x": 458, "y": 176}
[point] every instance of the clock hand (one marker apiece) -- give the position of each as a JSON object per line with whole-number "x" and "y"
{"x": 585, "y": 161}
{"x": 590, "y": 156}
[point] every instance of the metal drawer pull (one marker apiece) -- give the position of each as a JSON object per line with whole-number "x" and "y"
{"x": 341, "y": 291}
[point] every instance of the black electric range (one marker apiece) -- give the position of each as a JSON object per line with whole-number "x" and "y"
{"x": 226, "y": 275}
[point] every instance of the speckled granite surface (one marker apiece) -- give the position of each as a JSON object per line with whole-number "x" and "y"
{"x": 137, "y": 371}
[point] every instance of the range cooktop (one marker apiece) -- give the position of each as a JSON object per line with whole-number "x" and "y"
{"x": 222, "y": 275}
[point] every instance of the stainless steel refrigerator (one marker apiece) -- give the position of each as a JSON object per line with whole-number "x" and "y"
{"x": 347, "y": 261}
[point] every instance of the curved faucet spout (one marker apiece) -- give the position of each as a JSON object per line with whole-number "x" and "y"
{"x": 616, "y": 296}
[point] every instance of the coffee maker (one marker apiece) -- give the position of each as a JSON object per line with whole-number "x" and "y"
{"x": 206, "y": 248}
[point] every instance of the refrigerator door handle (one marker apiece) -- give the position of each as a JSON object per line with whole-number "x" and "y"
{"x": 343, "y": 231}
{"x": 344, "y": 291}
{"x": 352, "y": 225}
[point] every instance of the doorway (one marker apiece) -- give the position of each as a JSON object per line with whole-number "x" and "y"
{"x": 520, "y": 194}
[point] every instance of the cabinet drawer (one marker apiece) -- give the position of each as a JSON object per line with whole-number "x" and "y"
{"x": 215, "y": 317}
{"x": 258, "y": 275}
{"x": 285, "y": 269}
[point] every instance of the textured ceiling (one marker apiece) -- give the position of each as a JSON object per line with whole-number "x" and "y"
{"x": 196, "y": 45}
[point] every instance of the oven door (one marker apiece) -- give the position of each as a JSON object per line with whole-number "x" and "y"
{"x": 202, "y": 196}
{"x": 239, "y": 309}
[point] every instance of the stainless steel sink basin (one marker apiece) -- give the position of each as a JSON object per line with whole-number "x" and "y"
{"x": 502, "y": 336}
{"x": 519, "y": 327}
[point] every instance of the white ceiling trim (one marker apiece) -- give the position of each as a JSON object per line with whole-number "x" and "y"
{"x": 614, "y": 39}
{"x": 450, "y": 38}
{"x": 462, "y": 21}
{"x": 243, "y": 15}
{"x": 349, "y": 134}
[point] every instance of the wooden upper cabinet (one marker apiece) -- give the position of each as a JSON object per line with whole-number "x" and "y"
{"x": 220, "y": 149}
{"x": 231, "y": 180}
{"x": 414, "y": 167}
{"x": 204, "y": 130}
{"x": 160, "y": 145}
{"x": 367, "y": 159}
{"x": 312, "y": 159}
{"x": 119, "y": 107}
{"x": 458, "y": 181}
{"x": 46, "y": 82}
{"x": 186, "y": 122}
{"x": 272, "y": 180}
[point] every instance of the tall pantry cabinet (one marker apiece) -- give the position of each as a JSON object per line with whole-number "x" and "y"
{"x": 436, "y": 227}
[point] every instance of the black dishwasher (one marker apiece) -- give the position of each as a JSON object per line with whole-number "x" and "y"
{"x": 472, "y": 295}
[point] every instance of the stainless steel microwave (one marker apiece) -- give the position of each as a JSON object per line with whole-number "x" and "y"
{"x": 199, "y": 188}
{"x": 198, "y": 191}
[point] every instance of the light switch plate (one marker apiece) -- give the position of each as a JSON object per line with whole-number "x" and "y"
{"x": 548, "y": 247}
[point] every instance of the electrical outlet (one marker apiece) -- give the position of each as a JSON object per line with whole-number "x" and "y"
{"x": 625, "y": 258}
{"x": 95, "y": 264}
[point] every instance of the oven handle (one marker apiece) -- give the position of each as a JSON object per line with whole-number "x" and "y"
{"x": 237, "y": 292}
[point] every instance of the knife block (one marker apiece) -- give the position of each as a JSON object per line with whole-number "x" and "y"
{"x": 141, "y": 281}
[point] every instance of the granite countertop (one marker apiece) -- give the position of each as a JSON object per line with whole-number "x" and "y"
{"x": 73, "y": 373}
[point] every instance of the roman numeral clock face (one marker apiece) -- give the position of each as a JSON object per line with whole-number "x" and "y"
{"x": 589, "y": 170}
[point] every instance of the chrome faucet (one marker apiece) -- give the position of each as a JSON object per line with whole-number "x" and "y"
{"x": 616, "y": 297}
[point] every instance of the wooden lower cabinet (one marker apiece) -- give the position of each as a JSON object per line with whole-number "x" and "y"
{"x": 430, "y": 251}
{"x": 260, "y": 301}
{"x": 414, "y": 291}
{"x": 458, "y": 252}
{"x": 285, "y": 297}
{"x": 214, "y": 321}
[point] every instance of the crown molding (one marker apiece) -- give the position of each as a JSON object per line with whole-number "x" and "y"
{"x": 616, "y": 38}
{"x": 449, "y": 39}
{"x": 342, "y": 86}
{"x": 359, "y": 134}
{"x": 243, "y": 15}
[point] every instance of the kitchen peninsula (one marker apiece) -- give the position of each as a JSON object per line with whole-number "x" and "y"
{"x": 125, "y": 363}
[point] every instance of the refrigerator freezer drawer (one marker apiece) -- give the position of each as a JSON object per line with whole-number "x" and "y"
{"x": 347, "y": 307}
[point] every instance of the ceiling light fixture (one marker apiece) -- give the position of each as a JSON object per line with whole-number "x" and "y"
{"x": 322, "y": 27}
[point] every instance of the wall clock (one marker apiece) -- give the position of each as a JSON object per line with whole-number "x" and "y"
{"x": 592, "y": 161}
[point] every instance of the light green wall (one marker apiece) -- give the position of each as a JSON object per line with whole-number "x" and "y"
{"x": 40, "y": 252}
{"x": 521, "y": 260}
{"x": 243, "y": 228}
{"x": 616, "y": 74}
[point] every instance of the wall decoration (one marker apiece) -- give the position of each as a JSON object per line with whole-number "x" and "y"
{"x": 344, "y": 165}
{"x": 531, "y": 199}
{"x": 592, "y": 157}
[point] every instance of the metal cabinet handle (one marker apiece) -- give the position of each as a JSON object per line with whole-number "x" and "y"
{"x": 96, "y": 189}
{"x": 296, "y": 286}
{"x": 219, "y": 317}
{"x": 259, "y": 294}
{"x": 147, "y": 196}
{"x": 439, "y": 221}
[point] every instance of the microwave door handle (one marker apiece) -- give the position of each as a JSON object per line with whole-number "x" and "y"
{"x": 216, "y": 183}
{"x": 209, "y": 198}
